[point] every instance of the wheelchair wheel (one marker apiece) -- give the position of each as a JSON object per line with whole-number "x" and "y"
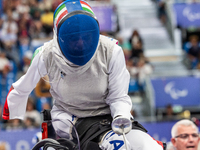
{"x": 60, "y": 144}
{"x": 43, "y": 142}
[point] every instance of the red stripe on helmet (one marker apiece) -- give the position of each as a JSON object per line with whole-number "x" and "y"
{"x": 61, "y": 16}
{"x": 82, "y": 2}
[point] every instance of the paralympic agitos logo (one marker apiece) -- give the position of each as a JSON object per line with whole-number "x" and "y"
{"x": 174, "y": 92}
{"x": 190, "y": 14}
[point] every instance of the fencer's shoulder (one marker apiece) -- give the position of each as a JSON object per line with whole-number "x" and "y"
{"x": 109, "y": 43}
{"x": 107, "y": 40}
{"x": 48, "y": 44}
{"x": 37, "y": 52}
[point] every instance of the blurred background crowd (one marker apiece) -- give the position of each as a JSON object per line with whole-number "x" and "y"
{"x": 158, "y": 46}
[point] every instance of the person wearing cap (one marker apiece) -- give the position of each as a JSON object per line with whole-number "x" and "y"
{"x": 88, "y": 79}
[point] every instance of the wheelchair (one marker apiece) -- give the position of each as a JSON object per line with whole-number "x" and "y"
{"x": 80, "y": 140}
{"x": 87, "y": 133}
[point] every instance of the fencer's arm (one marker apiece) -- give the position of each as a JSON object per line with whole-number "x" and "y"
{"x": 119, "y": 77}
{"x": 15, "y": 105}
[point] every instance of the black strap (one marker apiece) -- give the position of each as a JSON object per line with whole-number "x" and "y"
{"x": 84, "y": 124}
{"x": 138, "y": 126}
{"x": 91, "y": 128}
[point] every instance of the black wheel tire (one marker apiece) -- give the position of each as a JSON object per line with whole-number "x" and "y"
{"x": 43, "y": 142}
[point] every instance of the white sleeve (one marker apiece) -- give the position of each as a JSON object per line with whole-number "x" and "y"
{"x": 17, "y": 98}
{"x": 119, "y": 77}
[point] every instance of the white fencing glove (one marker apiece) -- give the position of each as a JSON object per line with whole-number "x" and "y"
{"x": 121, "y": 125}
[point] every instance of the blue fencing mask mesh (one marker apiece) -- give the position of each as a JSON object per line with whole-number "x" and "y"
{"x": 78, "y": 37}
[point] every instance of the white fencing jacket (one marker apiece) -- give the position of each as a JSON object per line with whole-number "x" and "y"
{"x": 113, "y": 79}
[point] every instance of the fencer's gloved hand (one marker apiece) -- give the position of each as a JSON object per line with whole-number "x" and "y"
{"x": 121, "y": 125}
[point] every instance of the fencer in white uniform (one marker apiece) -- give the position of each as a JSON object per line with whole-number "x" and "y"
{"x": 88, "y": 78}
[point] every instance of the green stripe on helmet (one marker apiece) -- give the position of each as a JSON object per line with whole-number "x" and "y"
{"x": 86, "y": 9}
{"x": 59, "y": 9}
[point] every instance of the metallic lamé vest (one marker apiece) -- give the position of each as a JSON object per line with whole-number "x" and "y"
{"x": 80, "y": 90}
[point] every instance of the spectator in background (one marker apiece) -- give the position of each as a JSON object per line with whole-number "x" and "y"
{"x": 27, "y": 61}
{"x": 36, "y": 25}
{"x": 32, "y": 116}
{"x": 1, "y": 22}
{"x": 137, "y": 64}
{"x": 144, "y": 68}
{"x": 47, "y": 21}
{"x": 194, "y": 51}
{"x": 46, "y": 4}
{"x": 136, "y": 53}
{"x": 34, "y": 6}
{"x": 24, "y": 24}
{"x": 22, "y": 7}
{"x": 4, "y": 64}
{"x": 8, "y": 38}
{"x": 10, "y": 7}
{"x": 162, "y": 11}
{"x": 14, "y": 124}
{"x": 136, "y": 48}
{"x": 169, "y": 113}
{"x": 46, "y": 106}
{"x": 135, "y": 38}
{"x": 8, "y": 33}
{"x": 185, "y": 135}
{"x": 140, "y": 71}
{"x": 29, "y": 123}
{"x": 196, "y": 121}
